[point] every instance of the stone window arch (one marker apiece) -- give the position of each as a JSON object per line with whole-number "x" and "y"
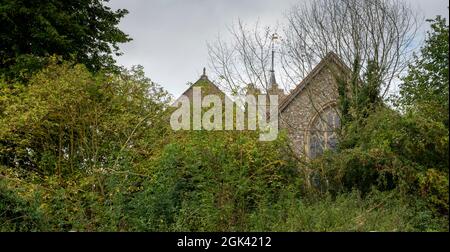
{"x": 322, "y": 131}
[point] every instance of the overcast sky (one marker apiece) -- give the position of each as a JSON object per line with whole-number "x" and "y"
{"x": 169, "y": 36}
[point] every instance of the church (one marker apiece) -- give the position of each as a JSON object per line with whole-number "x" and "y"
{"x": 309, "y": 113}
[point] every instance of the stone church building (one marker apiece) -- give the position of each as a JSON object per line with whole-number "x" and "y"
{"x": 309, "y": 113}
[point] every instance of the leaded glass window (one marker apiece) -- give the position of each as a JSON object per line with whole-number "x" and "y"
{"x": 322, "y": 132}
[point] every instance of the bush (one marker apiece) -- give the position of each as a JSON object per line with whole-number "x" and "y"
{"x": 376, "y": 211}
{"x": 407, "y": 152}
{"x": 207, "y": 181}
{"x": 68, "y": 119}
{"x": 17, "y": 214}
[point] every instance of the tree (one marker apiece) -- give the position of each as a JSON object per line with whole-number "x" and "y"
{"x": 359, "y": 32}
{"x": 69, "y": 120}
{"x": 84, "y": 30}
{"x": 371, "y": 38}
{"x": 425, "y": 88}
{"x": 246, "y": 60}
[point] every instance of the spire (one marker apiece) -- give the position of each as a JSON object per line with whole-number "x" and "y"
{"x": 273, "y": 88}
{"x": 273, "y": 81}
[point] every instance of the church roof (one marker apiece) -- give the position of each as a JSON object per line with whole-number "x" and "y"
{"x": 330, "y": 58}
{"x": 208, "y": 87}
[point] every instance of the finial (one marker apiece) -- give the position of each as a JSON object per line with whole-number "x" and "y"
{"x": 204, "y": 77}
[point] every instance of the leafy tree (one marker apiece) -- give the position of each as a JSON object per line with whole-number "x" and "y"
{"x": 384, "y": 148}
{"x": 363, "y": 97}
{"x": 425, "y": 88}
{"x": 69, "y": 119}
{"x": 92, "y": 151}
{"x": 392, "y": 150}
{"x": 83, "y": 30}
{"x": 212, "y": 180}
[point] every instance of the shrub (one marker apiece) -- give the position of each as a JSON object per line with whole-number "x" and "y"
{"x": 208, "y": 181}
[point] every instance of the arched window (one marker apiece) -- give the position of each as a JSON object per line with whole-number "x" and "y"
{"x": 322, "y": 132}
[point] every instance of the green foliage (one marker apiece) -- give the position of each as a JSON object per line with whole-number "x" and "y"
{"x": 17, "y": 214}
{"x": 406, "y": 152}
{"x": 385, "y": 149}
{"x": 358, "y": 97}
{"x": 376, "y": 211}
{"x": 84, "y": 150}
{"x": 83, "y": 30}
{"x": 69, "y": 119}
{"x": 425, "y": 88}
{"x": 93, "y": 152}
{"x": 34, "y": 203}
{"x": 433, "y": 186}
{"x": 73, "y": 142}
{"x": 212, "y": 181}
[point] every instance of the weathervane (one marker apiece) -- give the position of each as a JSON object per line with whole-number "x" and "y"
{"x": 273, "y": 81}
